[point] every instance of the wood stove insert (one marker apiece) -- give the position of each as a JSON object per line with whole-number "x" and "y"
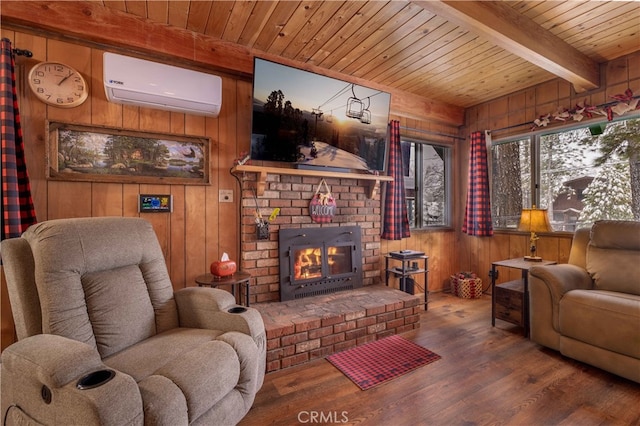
{"x": 315, "y": 261}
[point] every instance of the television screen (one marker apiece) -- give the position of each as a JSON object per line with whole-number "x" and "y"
{"x": 316, "y": 121}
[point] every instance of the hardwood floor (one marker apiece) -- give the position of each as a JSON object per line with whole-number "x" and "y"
{"x": 487, "y": 376}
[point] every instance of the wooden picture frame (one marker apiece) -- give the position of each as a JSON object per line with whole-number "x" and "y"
{"x": 102, "y": 154}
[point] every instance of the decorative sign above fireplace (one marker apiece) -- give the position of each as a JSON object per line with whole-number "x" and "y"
{"x": 315, "y": 261}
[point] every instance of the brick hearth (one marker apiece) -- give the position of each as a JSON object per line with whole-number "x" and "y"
{"x": 305, "y": 329}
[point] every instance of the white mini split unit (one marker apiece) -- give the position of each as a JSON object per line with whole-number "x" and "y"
{"x": 132, "y": 81}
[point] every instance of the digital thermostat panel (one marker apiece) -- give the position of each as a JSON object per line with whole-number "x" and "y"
{"x": 152, "y": 203}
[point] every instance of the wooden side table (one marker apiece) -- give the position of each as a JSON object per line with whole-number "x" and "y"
{"x": 239, "y": 278}
{"x": 510, "y": 300}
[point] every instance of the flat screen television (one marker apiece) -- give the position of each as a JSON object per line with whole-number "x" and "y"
{"x": 315, "y": 121}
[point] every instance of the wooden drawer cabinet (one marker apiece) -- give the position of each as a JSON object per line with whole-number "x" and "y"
{"x": 510, "y": 302}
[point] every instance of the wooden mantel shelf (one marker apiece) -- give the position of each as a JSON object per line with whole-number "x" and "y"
{"x": 264, "y": 171}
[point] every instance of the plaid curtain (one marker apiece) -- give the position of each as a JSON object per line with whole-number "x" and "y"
{"x": 18, "y": 212}
{"x": 395, "y": 223}
{"x": 477, "y": 215}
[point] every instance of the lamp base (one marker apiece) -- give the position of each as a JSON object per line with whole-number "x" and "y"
{"x": 533, "y": 258}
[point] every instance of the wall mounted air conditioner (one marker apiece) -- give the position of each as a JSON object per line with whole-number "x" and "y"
{"x": 133, "y": 81}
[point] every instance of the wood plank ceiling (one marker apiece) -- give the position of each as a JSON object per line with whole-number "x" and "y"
{"x": 461, "y": 53}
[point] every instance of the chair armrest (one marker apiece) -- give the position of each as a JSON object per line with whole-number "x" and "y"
{"x": 200, "y": 307}
{"x": 39, "y": 378}
{"x": 562, "y": 278}
{"x": 547, "y": 285}
{"x": 52, "y": 360}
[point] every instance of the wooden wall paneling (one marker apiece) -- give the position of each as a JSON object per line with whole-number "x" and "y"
{"x": 78, "y": 57}
{"x": 476, "y": 246}
{"x": 564, "y": 249}
{"x": 195, "y": 238}
{"x": 103, "y": 112}
{"x": 177, "y": 248}
{"x": 547, "y": 247}
{"x": 159, "y": 221}
{"x": 425, "y": 241}
{"x": 244, "y": 111}
{"x": 214, "y": 209}
{"x": 155, "y": 120}
{"x": 130, "y": 116}
{"x": 177, "y": 123}
{"x": 228, "y": 237}
{"x": 106, "y": 199}
{"x": 178, "y": 240}
{"x": 463, "y": 248}
{"x": 486, "y": 258}
{"x": 443, "y": 263}
{"x": 500, "y": 246}
{"x": 68, "y": 199}
{"x": 633, "y": 68}
{"x": 196, "y": 262}
{"x": 518, "y": 247}
{"x": 130, "y": 192}
{"x": 547, "y": 93}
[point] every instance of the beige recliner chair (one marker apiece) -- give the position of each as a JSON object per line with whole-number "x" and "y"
{"x": 104, "y": 339}
{"x": 589, "y": 309}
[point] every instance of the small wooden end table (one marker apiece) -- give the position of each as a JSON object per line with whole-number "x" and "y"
{"x": 239, "y": 278}
{"x": 510, "y": 300}
{"x": 405, "y": 271}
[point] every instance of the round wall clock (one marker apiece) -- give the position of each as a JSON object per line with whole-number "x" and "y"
{"x": 58, "y": 84}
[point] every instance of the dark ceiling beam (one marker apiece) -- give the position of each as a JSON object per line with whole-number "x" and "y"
{"x": 519, "y": 35}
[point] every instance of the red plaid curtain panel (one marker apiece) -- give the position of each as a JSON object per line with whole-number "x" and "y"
{"x": 395, "y": 223}
{"x": 477, "y": 215}
{"x": 18, "y": 212}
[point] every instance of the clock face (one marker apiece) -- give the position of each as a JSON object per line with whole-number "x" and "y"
{"x": 58, "y": 84}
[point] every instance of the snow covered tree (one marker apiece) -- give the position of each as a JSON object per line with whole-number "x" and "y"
{"x": 622, "y": 140}
{"x": 608, "y": 196}
{"x": 508, "y": 160}
{"x": 563, "y": 157}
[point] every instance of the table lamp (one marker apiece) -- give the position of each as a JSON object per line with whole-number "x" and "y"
{"x": 534, "y": 220}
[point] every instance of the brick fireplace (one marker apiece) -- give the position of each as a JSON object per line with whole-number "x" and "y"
{"x": 307, "y": 328}
{"x": 291, "y": 194}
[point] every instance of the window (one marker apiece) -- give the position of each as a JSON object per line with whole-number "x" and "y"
{"x": 579, "y": 175}
{"x": 427, "y": 170}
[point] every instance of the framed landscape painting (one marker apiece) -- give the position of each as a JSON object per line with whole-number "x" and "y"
{"x": 101, "y": 154}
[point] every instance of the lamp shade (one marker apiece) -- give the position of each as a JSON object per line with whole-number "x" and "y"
{"x": 534, "y": 220}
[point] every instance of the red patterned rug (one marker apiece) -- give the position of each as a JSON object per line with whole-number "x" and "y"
{"x": 385, "y": 359}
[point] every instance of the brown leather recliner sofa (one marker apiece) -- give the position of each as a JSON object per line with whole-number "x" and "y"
{"x": 589, "y": 308}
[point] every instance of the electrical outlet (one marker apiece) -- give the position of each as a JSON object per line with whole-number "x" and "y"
{"x": 225, "y": 196}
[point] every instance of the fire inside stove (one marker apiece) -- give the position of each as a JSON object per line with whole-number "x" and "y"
{"x": 319, "y": 261}
{"x": 308, "y": 262}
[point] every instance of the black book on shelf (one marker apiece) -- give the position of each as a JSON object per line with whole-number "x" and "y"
{"x": 406, "y": 254}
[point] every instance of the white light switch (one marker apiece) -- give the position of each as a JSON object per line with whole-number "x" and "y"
{"x": 225, "y": 196}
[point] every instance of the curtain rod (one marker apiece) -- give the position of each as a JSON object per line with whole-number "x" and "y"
{"x": 19, "y": 52}
{"x": 23, "y": 52}
{"x": 430, "y": 132}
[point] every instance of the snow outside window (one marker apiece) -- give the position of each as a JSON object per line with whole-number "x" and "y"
{"x": 427, "y": 183}
{"x": 578, "y": 177}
